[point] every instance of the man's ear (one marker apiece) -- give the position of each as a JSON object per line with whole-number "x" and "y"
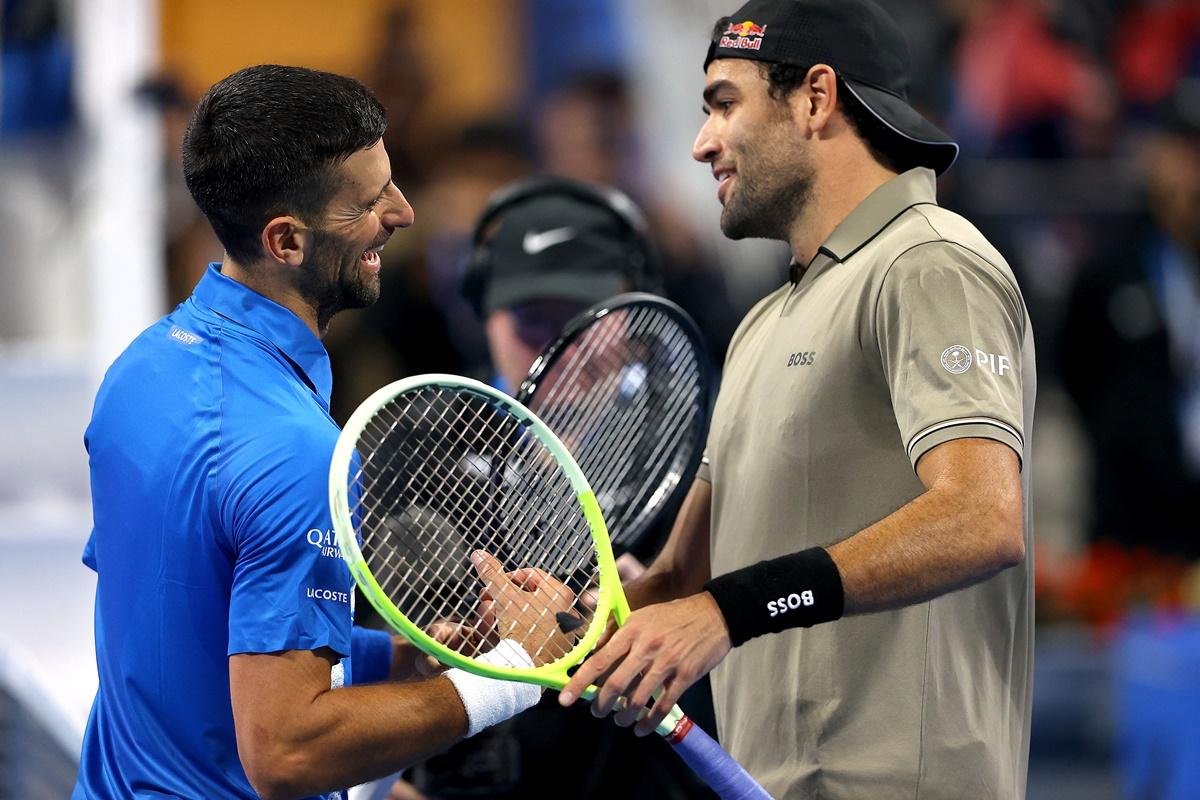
{"x": 284, "y": 240}
{"x": 819, "y": 97}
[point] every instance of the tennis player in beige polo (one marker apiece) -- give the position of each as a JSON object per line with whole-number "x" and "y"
{"x": 851, "y": 561}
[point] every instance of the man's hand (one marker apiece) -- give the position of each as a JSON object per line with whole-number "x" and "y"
{"x": 410, "y": 662}
{"x": 522, "y": 605}
{"x": 665, "y": 647}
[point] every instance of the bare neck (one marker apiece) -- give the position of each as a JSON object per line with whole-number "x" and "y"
{"x": 837, "y": 191}
{"x": 274, "y": 288}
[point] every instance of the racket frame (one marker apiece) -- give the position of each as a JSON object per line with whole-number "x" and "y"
{"x": 572, "y": 331}
{"x": 610, "y": 597}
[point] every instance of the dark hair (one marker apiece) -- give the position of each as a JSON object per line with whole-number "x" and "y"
{"x": 884, "y": 145}
{"x": 266, "y": 140}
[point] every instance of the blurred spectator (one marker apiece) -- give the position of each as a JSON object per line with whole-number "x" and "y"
{"x": 565, "y": 38}
{"x": 36, "y": 64}
{"x": 190, "y": 242}
{"x": 1022, "y": 89}
{"x": 1157, "y": 43}
{"x": 1131, "y": 350}
{"x": 401, "y": 83}
{"x": 584, "y": 130}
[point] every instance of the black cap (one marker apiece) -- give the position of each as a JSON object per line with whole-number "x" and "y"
{"x": 550, "y": 238}
{"x": 855, "y": 37}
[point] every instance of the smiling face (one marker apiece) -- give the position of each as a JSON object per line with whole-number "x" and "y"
{"x": 757, "y": 150}
{"x": 341, "y": 269}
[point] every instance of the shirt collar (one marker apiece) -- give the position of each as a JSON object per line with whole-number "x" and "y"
{"x": 248, "y": 308}
{"x": 915, "y": 187}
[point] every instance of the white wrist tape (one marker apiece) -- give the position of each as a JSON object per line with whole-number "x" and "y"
{"x": 489, "y": 700}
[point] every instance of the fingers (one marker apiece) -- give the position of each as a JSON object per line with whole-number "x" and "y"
{"x": 620, "y": 683}
{"x": 529, "y": 578}
{"x": 609, "y": 630}
{"x": 628, "y": 567}
{"x": 591, "y": 670}
{"x": 543, "y": 583}
{"x": 428, "y": 665}
{"x": 666, "y": 701}
{"x": 641, "y": 695}
{"x": 490, "y": 571}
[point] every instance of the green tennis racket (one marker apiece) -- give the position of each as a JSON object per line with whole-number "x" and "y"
{"x": 433, "y": 469}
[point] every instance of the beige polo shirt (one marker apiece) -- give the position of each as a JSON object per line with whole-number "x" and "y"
{"x": 906, "y": 331}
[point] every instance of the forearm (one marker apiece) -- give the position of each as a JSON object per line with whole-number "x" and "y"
{"x": 358, "y": 733}
{"x": 931, "y": 546}
{"x": 683, "y": 565}
{"x": 296, "y": 737}
{"x": 966, "y": 527}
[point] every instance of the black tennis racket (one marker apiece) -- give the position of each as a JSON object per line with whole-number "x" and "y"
{"x": 628, "y": 388}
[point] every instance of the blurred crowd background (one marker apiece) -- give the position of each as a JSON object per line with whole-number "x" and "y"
{"x": 1080, "y": 127}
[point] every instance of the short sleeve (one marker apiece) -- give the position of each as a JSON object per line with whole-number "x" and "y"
{"x": 950, "y": 329}
{"x": 291, "y": 590}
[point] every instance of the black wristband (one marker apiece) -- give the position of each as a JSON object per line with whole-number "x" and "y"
{"x": 793, "y": 591}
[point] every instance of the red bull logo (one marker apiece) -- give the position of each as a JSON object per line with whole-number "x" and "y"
{"x": 743, "y": 35}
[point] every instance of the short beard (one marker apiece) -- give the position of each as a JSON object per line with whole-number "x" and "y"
{"x": 775, "y": 181}
{"x": 333, "y": 281}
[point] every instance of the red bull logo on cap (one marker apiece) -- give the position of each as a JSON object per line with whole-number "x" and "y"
{"x": 743, "y": 35}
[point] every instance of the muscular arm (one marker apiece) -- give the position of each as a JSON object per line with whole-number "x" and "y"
{"x": 682, "y": 566}
{"x": 297, "y": 737}
{"x": 966, "y": 527}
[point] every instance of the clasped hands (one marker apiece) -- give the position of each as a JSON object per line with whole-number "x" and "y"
{"x": 660, "y": 651}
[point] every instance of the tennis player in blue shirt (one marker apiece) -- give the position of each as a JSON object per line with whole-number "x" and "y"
{"x": 223, "y": 609}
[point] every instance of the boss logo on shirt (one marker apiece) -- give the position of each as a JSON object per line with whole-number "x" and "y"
{"x": 957, "y": 359}
{"x": 802, "y": 359}
{"x": 325, "y": 541}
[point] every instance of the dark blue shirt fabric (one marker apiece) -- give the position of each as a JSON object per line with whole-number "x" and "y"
{"x": 209, "y": 449}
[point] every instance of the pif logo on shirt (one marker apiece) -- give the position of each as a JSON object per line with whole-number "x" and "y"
{"x": 957, "y": 359}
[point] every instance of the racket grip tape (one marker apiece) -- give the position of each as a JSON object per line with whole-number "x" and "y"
{"x": 717, "y": 768}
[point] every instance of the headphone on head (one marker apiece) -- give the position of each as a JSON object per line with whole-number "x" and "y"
{"x": 640, "y": 264}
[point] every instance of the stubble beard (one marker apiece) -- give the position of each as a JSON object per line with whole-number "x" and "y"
{"x": 336, "y": 281}
{"x": 773, "y": 188}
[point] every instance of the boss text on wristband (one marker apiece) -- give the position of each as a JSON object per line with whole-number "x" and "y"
{"x": 793, "y": 591}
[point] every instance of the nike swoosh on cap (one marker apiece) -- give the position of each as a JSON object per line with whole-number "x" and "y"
{"x": 535, "y": 242}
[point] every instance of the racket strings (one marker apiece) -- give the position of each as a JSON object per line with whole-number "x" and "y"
{"x": 442, "y": 474}
{"x": 607, "y": 362}
{"x": 628, "y": 401}
{"x": 440, "y": 597}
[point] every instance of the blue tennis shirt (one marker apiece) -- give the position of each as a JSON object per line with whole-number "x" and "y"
{"x": 209, "y": 447}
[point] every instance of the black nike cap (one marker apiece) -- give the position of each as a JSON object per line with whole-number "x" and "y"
{"x": 551, "y": 238}
{"x": 859, "y": 41}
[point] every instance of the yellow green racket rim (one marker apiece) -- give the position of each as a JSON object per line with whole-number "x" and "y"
{"x": 611, "y": 598}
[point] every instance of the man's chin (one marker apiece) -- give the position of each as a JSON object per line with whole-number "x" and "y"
{"x": 735, "y": 226}
{"x": 362, "y": 292}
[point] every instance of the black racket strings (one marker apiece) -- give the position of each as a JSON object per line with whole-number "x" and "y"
{"x": 443, "y": 473}
{"x": 644, "y": 354}
{"x": 670, "y": 375}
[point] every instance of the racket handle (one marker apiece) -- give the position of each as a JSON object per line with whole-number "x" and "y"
{"x": 717, "y": 768}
